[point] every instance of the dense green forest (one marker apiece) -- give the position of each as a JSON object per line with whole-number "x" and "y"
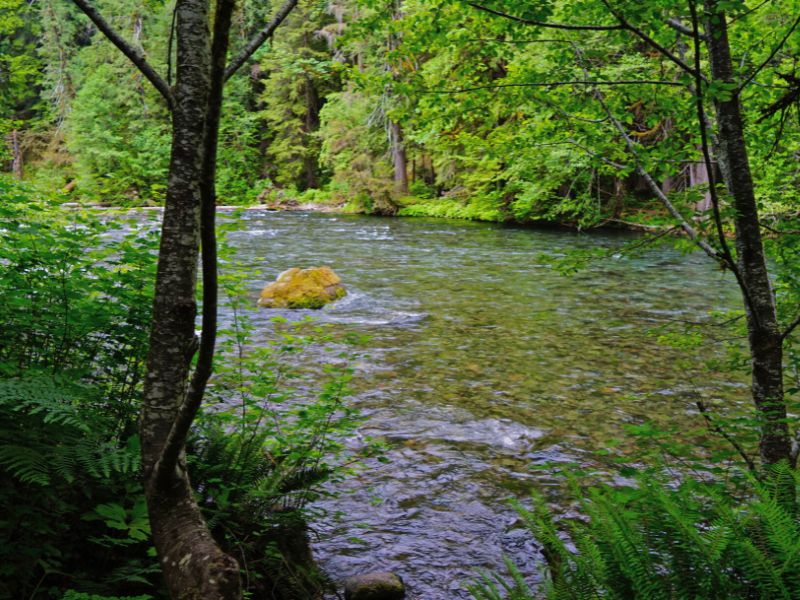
{"x": 160, "y": 437}
{"x": 416, "y": 108}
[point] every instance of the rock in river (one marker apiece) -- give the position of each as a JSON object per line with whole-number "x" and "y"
{"x": 374, "y": 586}
{"x": 303, "y": 288}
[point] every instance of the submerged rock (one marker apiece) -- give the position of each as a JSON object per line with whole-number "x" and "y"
{"x": 374, "y": 586}
{"x": 303, "y": 288}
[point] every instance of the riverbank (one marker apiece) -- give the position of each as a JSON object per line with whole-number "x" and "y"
{"x": 642, "y": 220}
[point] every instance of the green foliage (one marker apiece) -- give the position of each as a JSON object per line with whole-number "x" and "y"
{"x": 36, "y": 411}
{"x": 494, "y": 129}
{"x": 19, "y": 68}
{"x": 74, "y": 327}
{"x": 297, "y": 75}
{"x": 119, "y": 150}
{"x": 355, "y": 150}
{"x": 663, "y": 539}
{"x": 77, "y": 300}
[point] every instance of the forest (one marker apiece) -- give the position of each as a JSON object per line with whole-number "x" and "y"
{"x": 384, "y": 299}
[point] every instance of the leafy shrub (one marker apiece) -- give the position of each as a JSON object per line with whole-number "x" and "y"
{"x": 74, "y": 326}
{"x": 73, "y": 339}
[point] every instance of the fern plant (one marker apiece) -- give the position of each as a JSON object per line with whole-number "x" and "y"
{"x": 658, "y": 541}
{"x": 48, "y": 430}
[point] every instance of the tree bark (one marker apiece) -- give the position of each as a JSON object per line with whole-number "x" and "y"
{"x": 16, "y": 155}
{"x": 193, "y": 564}
{"x": 310, "y": 126}
{"x": 764, "y": 333}
{"x": 396, "y": 138}
{"x": 399, "y": 158}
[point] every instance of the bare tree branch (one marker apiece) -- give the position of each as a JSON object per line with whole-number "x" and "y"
{"x": 772, "y": 54}
{"x": 625, "y": 24}
{"x": 712, "y": 426}
{"x": 785, "y": 102}
{"x": 680, "y": 27}
{"x": 521, "y": 41}
{"x": 133, "y": 54}
{"x": 748, "y": 12}
{"x": 594, "y": 154}
{"x": 790, "y": 328}
{"x": 772, "y": 229}
{"x": 564, "y": 26}
{"x": 690, "y": 231}
{"x": 259, "y": 39}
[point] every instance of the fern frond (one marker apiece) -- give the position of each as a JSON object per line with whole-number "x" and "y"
{"x": 28, "y": 465}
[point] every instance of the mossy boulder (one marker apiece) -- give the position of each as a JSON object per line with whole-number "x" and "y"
{"x": 303, "y": 288}
{"x": 374, "y": 586}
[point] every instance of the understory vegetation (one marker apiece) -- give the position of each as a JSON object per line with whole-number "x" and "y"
{"x": 77, "y": 300}
{"x": 663, "y": 540}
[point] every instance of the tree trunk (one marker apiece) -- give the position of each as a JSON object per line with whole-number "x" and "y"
{"x": 16, "y": 155}
{"x": 396, "y": 138}
{"x": 399, "y": 158}
{"x": 310, "y": 126}
{"x": 698, "y": 175}
{"x": 762, "y": 323}
{"x": 194, "y": 566}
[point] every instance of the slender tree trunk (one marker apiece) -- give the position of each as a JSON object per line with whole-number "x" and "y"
{"x": 310, "y": 126}
{"x": 399, "y": 158}
{"x": 16, "y": 155}
{"x": 762, "y": 323}
{"x": 698, "y": 175}
{"x": 194, "y": 566}
{"x": 396, "y": 138}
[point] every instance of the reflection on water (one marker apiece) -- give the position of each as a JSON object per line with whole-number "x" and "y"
{"x": 483, "y": 362}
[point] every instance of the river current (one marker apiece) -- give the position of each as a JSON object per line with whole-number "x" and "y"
{"x": 484, "y": 362}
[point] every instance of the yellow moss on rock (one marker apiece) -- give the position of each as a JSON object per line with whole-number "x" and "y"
{"x": 303, "y": 288}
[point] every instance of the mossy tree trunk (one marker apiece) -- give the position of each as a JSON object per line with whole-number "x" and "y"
{"x": 764, "y": 332}
{"x": 194, "y": 566}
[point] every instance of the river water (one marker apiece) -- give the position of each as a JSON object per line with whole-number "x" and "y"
{"x": 484, "y": 362}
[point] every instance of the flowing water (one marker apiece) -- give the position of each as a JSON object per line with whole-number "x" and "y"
{"x": 484, "y": 362}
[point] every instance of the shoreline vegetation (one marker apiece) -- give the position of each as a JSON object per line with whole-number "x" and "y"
{"x": 407, "y": 207}
{"x": 419, "y": 209}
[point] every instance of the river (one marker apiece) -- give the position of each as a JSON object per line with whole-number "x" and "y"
{"x": 483, "y": 362}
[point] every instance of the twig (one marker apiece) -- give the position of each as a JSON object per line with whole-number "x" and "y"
{"x": 259, "y": 39}
{"x": 748, "y": 12}
{"x": 552, "y": 84}
{"x": 772, "y": 54}
{"x": 790, "y": 328}
{"x": 564, "y": 26}
{"x": 170, "y": 43}
{"x": 678, "y": 26}
{"x": 625, "y": 24}
{"x": 712, "y": 426}
{"x": 780, "y": 231}
{"x": 530, "y": 41}
{"x": 712, "y": 184}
